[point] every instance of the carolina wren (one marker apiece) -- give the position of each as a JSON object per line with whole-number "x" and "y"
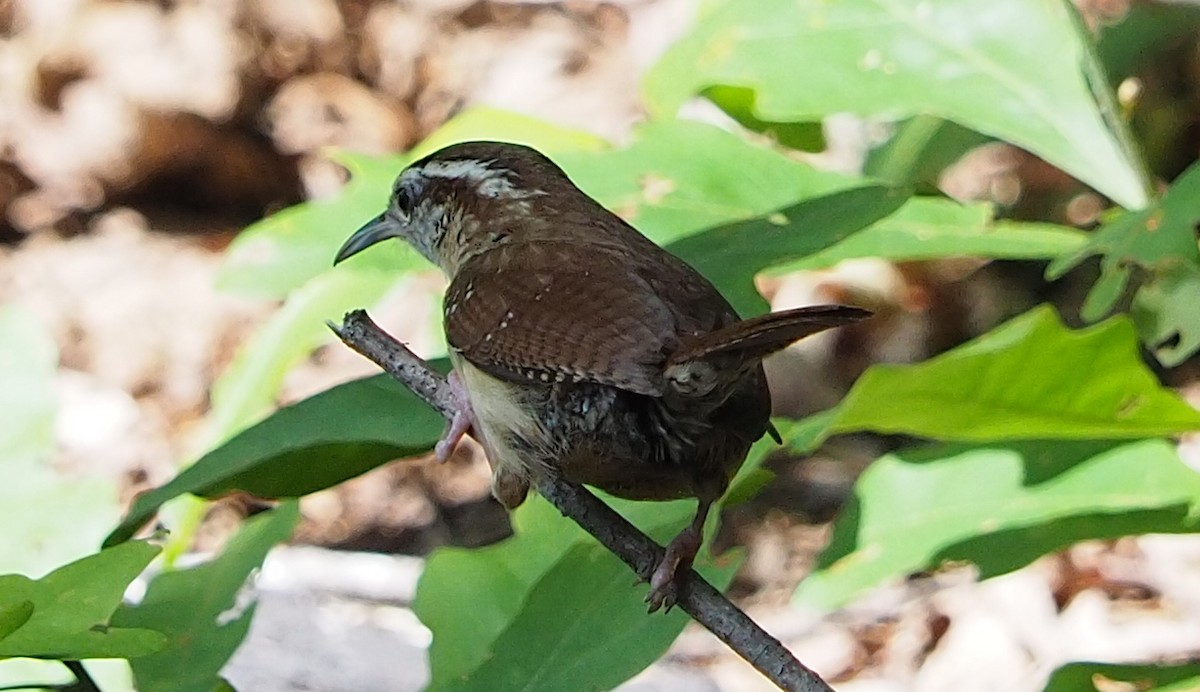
{"x": 580, "y": 347}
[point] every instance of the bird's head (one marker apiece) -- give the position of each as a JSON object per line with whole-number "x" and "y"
{"x": 464, "y": 199}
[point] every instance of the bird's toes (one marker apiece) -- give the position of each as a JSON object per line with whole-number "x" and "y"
{"x": 664, "y": 591}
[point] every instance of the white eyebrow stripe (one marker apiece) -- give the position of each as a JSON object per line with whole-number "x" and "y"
{"x": 492, "y": 182}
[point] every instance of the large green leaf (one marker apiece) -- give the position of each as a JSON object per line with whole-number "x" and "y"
{"x": 1101, "y": 677}
{"x": 1011, "y": 70}
{"x": 549, "y": 565}
{"x": 285, "y": 250}
{"x": 1031, "y": 378}
{"x": 1161, "y": 243}
{"x": 933, "y": 227}
{"x": 65, "y": 615}
{"x": 199, "y": 609}
{"x": 1000, "y": 506}
{"x": 314, "y": 444}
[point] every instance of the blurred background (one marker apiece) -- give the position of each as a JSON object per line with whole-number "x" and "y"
{"x": 138, "y": 138}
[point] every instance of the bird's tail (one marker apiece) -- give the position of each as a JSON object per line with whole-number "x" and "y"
{"x": 759, "y": 337}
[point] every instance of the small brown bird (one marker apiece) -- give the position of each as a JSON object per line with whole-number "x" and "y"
{"x": 581, "y": 348}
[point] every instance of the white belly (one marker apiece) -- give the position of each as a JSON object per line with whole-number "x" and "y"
{"x": 498, "y": 417}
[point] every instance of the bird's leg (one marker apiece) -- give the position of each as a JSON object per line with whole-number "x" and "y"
{"x": 681, "y": 552}
{"x": 460, "y": 424}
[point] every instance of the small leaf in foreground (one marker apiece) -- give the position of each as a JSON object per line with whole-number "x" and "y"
{"x": 1167, "y": 314}
{"x": 72, "y": 606}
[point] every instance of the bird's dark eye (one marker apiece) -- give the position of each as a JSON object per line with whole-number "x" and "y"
{"x": 405, "y": 195}
{"x": 402, "y": 201}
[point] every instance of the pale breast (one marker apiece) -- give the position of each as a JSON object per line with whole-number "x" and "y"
{"x": 502, "y": 414}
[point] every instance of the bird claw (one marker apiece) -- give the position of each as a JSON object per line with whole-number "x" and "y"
{"x": 664, "y": 583}
{"x": 460, "y": 424}
{"x": 664, "y": 588}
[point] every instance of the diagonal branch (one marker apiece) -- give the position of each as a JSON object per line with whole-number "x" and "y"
{"x": 697, "y": 597}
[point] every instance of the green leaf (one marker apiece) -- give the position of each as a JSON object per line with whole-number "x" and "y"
{"x": 729, "y": 256}
{"x": 549, "y": 563}
{"x": 932, "y": 227}
{"x": 1000, "y": 506}
{"x": 60, "y": 518}
{"x": 678, "y": 178}
{"x": 72, "y": 606}
{"x": 314, "y": 444}
{"x": 1030, "y": 378}
{"x": 200, "y": 610}
{"x": 285, "y": 250}
{"x": 1009, "y": 70}
{"x": 1088, "y": 677}
{"x": 1160, "y": 242}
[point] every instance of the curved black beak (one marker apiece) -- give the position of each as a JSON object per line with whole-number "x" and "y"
{"x": 379, "y": 228}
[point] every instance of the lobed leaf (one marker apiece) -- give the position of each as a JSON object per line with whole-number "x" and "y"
{"x": 1160, "y": 243}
